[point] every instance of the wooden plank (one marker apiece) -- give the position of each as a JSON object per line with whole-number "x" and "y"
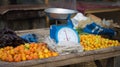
{"x": 5, "y": 9}
{"x": 106, "y": 55}
{"x": 102, "y": 10}
{"x": 68, "y": 61}
{"x": 42, "y": 31}
{"x": 71, "y": 61}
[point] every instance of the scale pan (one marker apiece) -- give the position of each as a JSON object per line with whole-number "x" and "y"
{"x": 60, "y": 13}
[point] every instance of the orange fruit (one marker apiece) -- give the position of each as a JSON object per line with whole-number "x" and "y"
{"x": 54, "y": 54}
{"x": 23, "y": 57}
{"x": 40, "y": 53}
{"x": 27, "y": 52}
{"x": 9, "y": 58}
{"x": 17, "y": 58}
{"x": 46, "y": 50}
{"x": 46, "y": 55}
{"x": 12, "y": 52}
{"x": 4, "y": 56}
{"x": 28, "y": 57}
{"x": 43, "y": 47}
{"x": 32, "y": 50}
{"x": 41, "y": 56}
{"x": 49, "y": 54}
{"x": 32, "y": 44}
{"x": 35, "y": 56}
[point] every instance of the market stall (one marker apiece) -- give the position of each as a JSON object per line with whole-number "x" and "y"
{"x": 59, "y": 52}
{"x": 67, "y": 59}
{"x": 79, "y": 39}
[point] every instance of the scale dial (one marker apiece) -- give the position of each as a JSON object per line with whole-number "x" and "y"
{"x": 67, "y": 34}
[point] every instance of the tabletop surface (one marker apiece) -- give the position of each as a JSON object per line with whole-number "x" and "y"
{"x": 62, "y": 60}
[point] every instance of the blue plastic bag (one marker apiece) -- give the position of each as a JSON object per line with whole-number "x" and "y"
{"x": 93, "y": 28}
{"x": 30, "y": 37}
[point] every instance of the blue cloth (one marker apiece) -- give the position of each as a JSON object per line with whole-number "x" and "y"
{"x": 30, "y": 37}
{"x": 93, "y": 28}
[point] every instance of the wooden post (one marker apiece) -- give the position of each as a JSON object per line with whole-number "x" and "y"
{"x": 47, "y": 19}
{"x": 46, "y": 2}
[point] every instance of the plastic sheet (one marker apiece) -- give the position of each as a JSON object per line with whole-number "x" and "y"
{"x": 63, "y": 47}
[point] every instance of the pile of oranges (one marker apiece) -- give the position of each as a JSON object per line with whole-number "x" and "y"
{"x": 94, "y": 42}
{"x": 26, "y": 51}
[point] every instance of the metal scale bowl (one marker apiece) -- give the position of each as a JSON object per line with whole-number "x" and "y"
{"x": 60, "y": 13}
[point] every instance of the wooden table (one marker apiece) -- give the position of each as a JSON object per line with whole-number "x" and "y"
{"x": 74, "y": 58}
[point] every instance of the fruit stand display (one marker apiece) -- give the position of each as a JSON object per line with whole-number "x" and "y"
{"x": 58, "y": 46}
{"x": 26, "y": 52}
{"x": 94, "y": 42}
{"x": 39, "y": 55}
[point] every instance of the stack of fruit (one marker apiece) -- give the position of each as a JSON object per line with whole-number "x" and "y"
{"x": 93, "y": 42}
{"x": 26, "y": 52}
